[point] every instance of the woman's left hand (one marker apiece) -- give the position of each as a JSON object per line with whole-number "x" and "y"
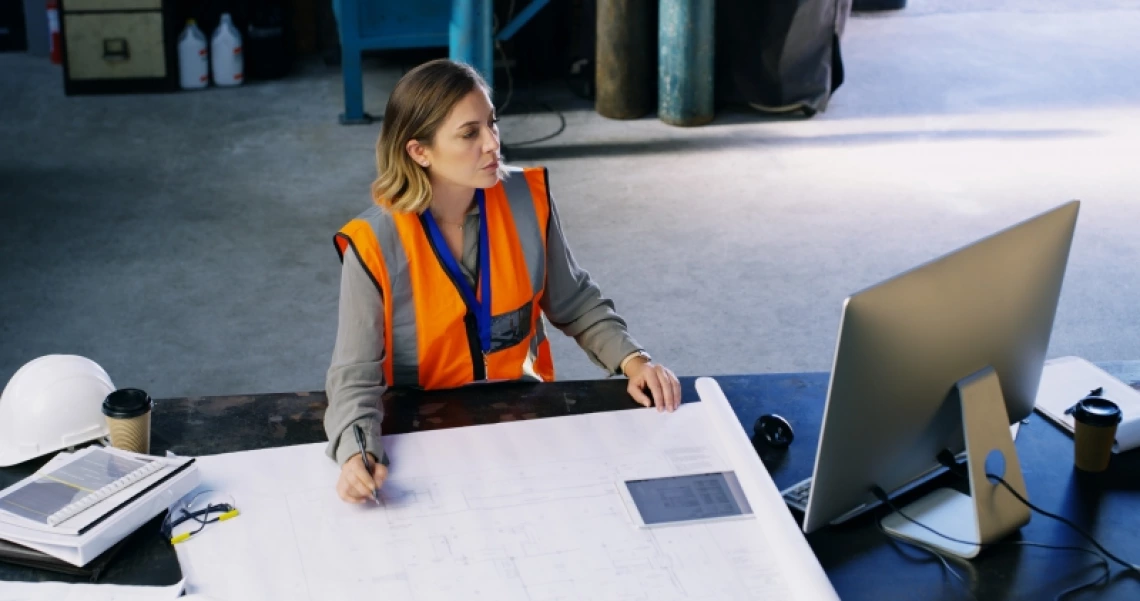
{"x": 658, "y": 379}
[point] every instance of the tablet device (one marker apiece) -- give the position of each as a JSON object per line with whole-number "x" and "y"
{"x": 684, "y": 499}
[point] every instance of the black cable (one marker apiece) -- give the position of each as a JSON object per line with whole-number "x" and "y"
{"x": 502, "y": 110}
{"x": 561, "y": 128}
{"x": 946, "y": 458}
{"x": 503, "y": 53}
{"x": 1081, "y": 531}
{"x": 1101, "y": 562}
{"x": 940, "y": 557}
{"x": 882, "y": 496}
{"x": 1080, "y": 587}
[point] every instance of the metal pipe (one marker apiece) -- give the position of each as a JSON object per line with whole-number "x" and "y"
{"x": 685, "y": 44}
{"x": 624, "y": 59}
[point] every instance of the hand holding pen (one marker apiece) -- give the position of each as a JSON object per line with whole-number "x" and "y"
{"x": 361, "y": 478}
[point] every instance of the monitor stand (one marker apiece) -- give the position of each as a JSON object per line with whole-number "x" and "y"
{"x": 989, "y": 512}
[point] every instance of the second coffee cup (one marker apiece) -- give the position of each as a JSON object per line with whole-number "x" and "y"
{"x": 1095, "y": 420}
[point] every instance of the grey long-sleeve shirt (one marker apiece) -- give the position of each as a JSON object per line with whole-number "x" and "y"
{"x": 572, "y": 302}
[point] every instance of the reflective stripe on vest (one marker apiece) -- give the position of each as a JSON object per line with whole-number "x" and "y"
{"x": 427, "y": 341}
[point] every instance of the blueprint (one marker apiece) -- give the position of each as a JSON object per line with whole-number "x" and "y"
{"x": 525, "y": 510}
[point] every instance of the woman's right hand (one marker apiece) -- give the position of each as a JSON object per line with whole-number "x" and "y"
{"x": 355, "y": 484}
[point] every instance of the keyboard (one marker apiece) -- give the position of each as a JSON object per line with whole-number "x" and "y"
{"x": 796, "y": 495}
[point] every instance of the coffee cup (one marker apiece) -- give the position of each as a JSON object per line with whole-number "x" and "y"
{"x": 127, "y": 411}
{"x": 1095, "y": 419}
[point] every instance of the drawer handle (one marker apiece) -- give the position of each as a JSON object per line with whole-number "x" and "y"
{"x": 116, "y": 50}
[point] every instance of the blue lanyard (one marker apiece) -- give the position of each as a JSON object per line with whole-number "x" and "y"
{"x": 482, "y": 310}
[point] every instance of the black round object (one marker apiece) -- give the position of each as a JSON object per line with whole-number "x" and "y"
{"x": 774, "y": 430}
{"x": 126, "y": 403}
{"x": 1098, "y": 412}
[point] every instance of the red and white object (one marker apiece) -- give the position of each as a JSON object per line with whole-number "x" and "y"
{"x": 55, "y": 41}
{"x": 226, "y": 59}
{"x": 193, "y": 59}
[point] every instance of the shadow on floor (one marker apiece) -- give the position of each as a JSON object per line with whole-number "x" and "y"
{"x": 715, "y": 142}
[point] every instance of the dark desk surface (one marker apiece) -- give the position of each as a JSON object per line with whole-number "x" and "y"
{"x": 861, "y": 562}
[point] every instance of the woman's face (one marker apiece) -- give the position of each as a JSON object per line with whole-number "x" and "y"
{"x": 465, "y": 150}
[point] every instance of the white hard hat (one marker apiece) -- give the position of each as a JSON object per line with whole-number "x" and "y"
{"x": 52, "y": 402}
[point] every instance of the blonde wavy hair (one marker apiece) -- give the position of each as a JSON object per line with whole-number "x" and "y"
{"x": 417, "y": 107}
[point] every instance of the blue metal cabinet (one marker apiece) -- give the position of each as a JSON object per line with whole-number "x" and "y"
{"x": 464, "y": 26}
{"x": 382, "y": 25}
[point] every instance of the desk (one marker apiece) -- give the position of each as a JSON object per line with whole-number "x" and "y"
{"x": 860, "y": 561}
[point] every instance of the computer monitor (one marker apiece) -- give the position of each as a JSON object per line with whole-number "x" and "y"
{"x": 907, "y": 346}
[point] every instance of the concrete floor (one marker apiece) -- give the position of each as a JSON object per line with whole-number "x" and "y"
{"x": 183, "y": 241}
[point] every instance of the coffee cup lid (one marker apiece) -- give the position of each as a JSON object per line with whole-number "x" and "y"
{"x": 1097, "y": 411}
{"x": 126, "y": 403}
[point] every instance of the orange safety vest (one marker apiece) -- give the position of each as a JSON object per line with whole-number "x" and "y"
{"x": 430, "y": 337}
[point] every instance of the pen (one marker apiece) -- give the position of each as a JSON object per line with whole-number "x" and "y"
{"x": 364, "y": 458}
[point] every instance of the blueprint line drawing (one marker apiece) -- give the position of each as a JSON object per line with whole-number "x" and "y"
{"x": 525, "y": 510}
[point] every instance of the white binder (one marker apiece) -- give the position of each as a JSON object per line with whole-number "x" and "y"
{"x": 80, "y": 504}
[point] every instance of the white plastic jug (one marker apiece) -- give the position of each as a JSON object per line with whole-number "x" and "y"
{"x": 226, "y": 54}
{"x": 193, "y": 62}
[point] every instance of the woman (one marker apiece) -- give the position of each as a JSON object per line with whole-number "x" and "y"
{"x": 445, "y": 279}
